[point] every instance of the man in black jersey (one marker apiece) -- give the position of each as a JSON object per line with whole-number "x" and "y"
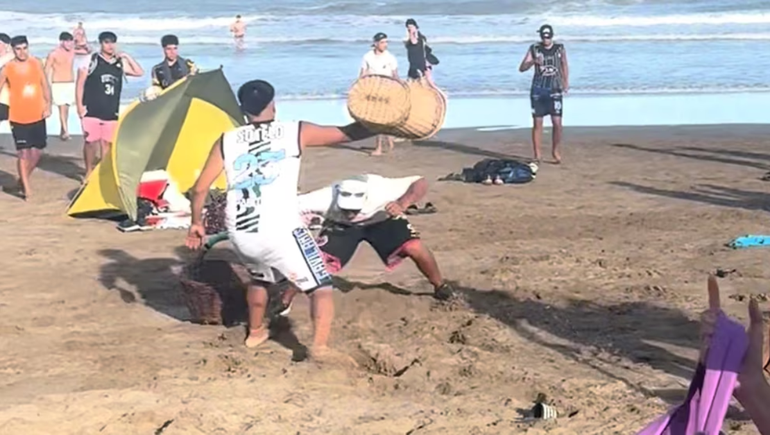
{"x": 174, "y": 67}
{"x": 98, "y": 96}
{"x": 549, "y": 83}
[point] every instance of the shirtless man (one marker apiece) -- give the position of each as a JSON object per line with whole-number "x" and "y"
{"x": 238, "y": 29}
{"x": 261, "y": 161}
{"x": 6, "y": 55}
{"x": 60, "y": 73}
{"x": 30, "y": 105}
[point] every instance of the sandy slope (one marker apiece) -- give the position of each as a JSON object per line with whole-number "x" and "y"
{"x": 583, "y": 285}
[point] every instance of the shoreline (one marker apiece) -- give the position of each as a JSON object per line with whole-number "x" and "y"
{"x": 514, "y": 112}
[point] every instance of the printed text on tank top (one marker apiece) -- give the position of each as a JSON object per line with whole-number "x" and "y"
{"x": 548, "y": 75}
{"x": 25, "y": 92}
{"x": 103, "y": 87}
{"x": 261, "y": 163}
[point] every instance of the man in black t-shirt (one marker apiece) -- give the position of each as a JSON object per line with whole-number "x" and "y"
{"x": 173, "y": 68}
{"x": 98, "y": 91}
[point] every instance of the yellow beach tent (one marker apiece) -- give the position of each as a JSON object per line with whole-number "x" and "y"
{"x": 174, "y": 132}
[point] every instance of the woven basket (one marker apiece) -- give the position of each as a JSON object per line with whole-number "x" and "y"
{"x": 427, "y": 114}
{"x": 379, "y": 102}
{"x": 214, "y": 290}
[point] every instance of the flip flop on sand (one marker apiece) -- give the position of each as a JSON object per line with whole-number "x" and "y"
{"x": 428, "y": 208}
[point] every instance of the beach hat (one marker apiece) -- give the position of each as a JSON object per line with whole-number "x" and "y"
{"x": 351, "y": 193}
{"x": 546, "y": 31}
{"x": 379, "y": 36}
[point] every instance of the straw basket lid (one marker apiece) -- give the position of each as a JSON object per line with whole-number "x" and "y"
{"x": 379, "y": 101}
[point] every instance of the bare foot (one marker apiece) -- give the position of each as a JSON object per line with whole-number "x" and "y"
{"x": 556, "y": 158}
{"x": 64, "y": 136}
{"x": 375, "y": 153}
{"x": 256, "y": 337}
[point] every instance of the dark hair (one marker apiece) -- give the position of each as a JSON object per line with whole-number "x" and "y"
{"x": 412, "y": 22}
{"x": 167, "y": 40}
{"x": 4, "y": 38}
{"x": 237, "y": 16}
{"x": 108, "y": 36}
{"x": 65, "y": 36}
{"x": 254, "y": 96}
{"x": 19, "y": 40}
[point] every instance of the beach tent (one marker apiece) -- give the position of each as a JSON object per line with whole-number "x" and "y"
{"x": 173, "y": 132}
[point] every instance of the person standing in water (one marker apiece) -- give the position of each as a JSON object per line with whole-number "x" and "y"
{"x": 417, "y": 52}
{"x": 549, "y": 83}
{"x": 59, "y": 71}
{"x": 261, "y": 161}
{"x": 30, "y": 105}
{"x": 238, "y": 29}
{"x": 379, "y": 61}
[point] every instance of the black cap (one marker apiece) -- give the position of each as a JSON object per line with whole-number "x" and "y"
{"x": 65, "y": 36}
{"x": 255, "y": 96}
{"x": 412, "y": 22}
{"x": 4, "y": 38}
{"x": 379, "y": 37}
{"x": 108, "y": 37}
{"x": 167, "y": 40}
{"x": 19, "y": 40}
{"x": 546, "y": 31}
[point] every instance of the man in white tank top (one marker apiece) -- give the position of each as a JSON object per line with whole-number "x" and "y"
{"x": 261, "y": 161}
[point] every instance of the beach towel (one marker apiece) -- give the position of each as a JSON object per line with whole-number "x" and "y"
{"x": 704, "y": 409}
{"x": 749, "y": 241}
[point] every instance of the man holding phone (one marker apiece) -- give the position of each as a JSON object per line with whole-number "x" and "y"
{"x": 549, "y": 83}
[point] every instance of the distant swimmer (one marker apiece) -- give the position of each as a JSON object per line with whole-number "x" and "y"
{"x": 238, "y": 29}
{"x": 379, "y": 61}
{"x": 30, "y": 105}
{"x": 6, "y": 55}
{"x": 549, "y": 83}
{"x": 173, "y": 68}
{"x": 59, "y": 71}
{"x": 99, "y": 86}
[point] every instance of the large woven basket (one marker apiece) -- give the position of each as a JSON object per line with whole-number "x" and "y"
{"x": 214, "y": 289}
{"x": 379, "y": 102}
{"x": 427, "y": 113}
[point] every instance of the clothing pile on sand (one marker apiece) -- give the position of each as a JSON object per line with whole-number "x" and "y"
{"x": 496, "y": 171}
{"x": 160, "y": 205}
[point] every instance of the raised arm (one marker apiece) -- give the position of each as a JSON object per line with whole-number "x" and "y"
{"x": 527, "y": 62}
{"x": 311, "y": 135}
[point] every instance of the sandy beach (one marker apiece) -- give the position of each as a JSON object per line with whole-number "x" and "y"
{"x": 584, "y": 285}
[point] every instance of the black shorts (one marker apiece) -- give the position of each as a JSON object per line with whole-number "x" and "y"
{"x": 388, "y": 238}
{"x": 3, "y": 112}
{"x": 26, "y": 136}
{"x": 546, "y": 103}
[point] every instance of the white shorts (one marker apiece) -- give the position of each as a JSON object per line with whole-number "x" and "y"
{"x": 272, "y": 256}
{"x": 63, "y": 94}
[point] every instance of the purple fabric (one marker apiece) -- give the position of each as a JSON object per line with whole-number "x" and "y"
{"x": 711, "y": 388}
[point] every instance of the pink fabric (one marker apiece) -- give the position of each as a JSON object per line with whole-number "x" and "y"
{"x": 95, "y": 129}
{"x": 398, "y": 256}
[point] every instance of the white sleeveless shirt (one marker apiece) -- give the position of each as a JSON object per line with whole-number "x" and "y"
{"x": 262, "y": 163}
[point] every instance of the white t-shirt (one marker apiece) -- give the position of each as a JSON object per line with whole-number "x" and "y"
{"x": 4, "y": 93}
{"x": 381, "y": 191}
{"x": 383, "y": 64}
{"x": 262, "y": 164}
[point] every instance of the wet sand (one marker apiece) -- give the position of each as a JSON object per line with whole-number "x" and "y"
{"x": 584, "y": 285}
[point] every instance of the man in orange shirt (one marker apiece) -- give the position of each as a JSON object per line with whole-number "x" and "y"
{"x": 30, "y": 105}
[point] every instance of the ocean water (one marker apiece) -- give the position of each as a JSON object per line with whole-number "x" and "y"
{"x": 626, "y": 56}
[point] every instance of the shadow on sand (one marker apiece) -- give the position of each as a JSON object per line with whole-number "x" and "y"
{"x": 708, "y": 194}
{"x": 65, "y": 166}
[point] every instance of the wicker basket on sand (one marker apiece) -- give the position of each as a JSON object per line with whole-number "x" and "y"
{"x": 214, "y": 290}
{"x": 379, "y": 102}
{"x": 427, "y": 114}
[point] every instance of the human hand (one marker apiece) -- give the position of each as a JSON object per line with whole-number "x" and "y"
{"x": 81, "y": 111}
{"x": 195, "y": 235}
{"x": 395, "y": 208}
{"x": 755, "y": 358}
{"x": 47, "y": 112}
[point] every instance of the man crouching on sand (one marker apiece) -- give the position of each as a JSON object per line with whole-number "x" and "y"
{"x": 370, "y": 208}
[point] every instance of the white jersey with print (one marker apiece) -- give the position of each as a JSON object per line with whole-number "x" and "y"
{"x": 381, "y": 191}
{"x": 262, "y": 163}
